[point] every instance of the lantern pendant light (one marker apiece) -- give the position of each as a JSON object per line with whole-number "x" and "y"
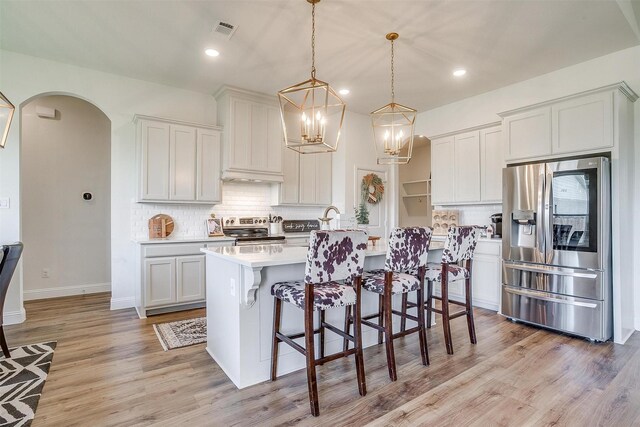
{"x": 312, "y": 113}
{"x": 6, "y": 114}
{"x": 393, "y": 126}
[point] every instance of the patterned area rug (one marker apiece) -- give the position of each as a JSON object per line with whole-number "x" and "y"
{"x": 21, "y": 381}
{"x": 182, "y": 333}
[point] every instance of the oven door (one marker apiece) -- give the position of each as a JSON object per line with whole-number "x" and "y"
{"x": 276, "y": 240}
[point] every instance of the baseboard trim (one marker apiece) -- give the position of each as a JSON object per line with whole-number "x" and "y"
{"x": 66, "y": 291}
{"x": 120, "y": 303}
{"x": 14, "y": 317}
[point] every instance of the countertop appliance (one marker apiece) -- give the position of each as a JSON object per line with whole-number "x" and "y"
{"x": 556, "y": 268}
{"x": 249, "y": 230}
{"x": 496, "y": 220}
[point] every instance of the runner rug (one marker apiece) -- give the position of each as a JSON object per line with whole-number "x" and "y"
{"x": 22, "y": 378}
{"x": 182, "y": 333}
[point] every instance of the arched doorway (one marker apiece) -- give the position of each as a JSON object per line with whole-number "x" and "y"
{"x": 65, "y": 175}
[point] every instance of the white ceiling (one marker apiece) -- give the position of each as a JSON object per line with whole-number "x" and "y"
{"x": 499, "y": 41}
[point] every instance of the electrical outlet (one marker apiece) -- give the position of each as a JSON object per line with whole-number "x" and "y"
{"x": 45, "y": 273}
{"x": 232, "y": 287}
{"x": 4, "y": 203}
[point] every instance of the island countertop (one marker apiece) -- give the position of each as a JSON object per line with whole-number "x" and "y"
{"x": 254, "y": 256}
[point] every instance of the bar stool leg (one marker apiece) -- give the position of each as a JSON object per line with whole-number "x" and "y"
{"x": 422, "y": 332}
{"x": 310, "y": 351}
{"x": 388, "y": 328}
{"x": 321, "y": 334}
{"x": 469, "y": 306}
{"x": 357, "y": 333}
{"x": 429, "y": 302}
{"x": 445, "y": 312}
{"x": 277, "y": 311}
{"x": 403, "y": 318}
{"x": 347, "y": 327}
{"x": 380, "y": 316}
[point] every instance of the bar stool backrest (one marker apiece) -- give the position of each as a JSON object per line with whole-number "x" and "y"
{"x": 8, "y": 262}
{"x": 335, "y": 255}
{"x": 408, "y": 249}
{"x": 460, "y": 244}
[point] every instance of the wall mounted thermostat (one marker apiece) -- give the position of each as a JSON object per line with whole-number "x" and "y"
{"x": 87, "y": 196}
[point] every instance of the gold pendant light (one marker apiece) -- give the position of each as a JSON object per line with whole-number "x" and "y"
{"x": 393, "y": 126}
{"x": 6, "y": 114}
{"x": 312, "y": 112}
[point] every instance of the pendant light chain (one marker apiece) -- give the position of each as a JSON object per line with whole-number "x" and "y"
{"x": 313, "y": 40}
{"x": 393, "y": 92}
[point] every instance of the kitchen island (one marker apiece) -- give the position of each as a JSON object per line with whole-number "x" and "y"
{"x": 240, "y": 307}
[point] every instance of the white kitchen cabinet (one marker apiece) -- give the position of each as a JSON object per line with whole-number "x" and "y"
{"x": 307, "y": 179}
{"x": 253, "y": 139}
{"x": 466, "y": 167}
{"x": 442, "y": 174}
{"x": 491, "y": 164}
{"x": 577, "y": 124}
{"x": 172, "y": 276}
{"x": 178, "y": 162}
{"x": 160, "y": 281}
{"x": 154, "y": 164}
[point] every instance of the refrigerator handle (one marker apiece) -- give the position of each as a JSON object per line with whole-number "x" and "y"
{"x": 540, "y": 217}
{"x": 548, "y": 214}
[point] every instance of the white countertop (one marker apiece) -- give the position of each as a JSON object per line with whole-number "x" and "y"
{"x": 481, "y": 239}
{"x": 269, "y": 255}
{"x": 183, "y": 240}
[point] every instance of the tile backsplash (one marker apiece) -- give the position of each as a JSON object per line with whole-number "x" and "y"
{"x": 474, "y": 214}
{"x": 238, "y": 199}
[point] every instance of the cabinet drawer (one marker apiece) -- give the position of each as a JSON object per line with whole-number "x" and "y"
{"x": 177, "y": 249}
{"x": 488, "y": 248}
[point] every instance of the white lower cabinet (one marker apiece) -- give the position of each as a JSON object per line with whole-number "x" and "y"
{"x": 172, "y": 276}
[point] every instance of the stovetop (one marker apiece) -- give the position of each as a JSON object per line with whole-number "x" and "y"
{"x": 248, "y": 229}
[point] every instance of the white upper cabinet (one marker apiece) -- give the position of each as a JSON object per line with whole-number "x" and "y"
{"x": 442, "y": 174}
{"x": 491, "y": 164}
{"x": 307, "y": 179}
{"x": 253, "y": 139}
{"x": 577, "y": 124}
{"x": 178, "y": 162}
{"x": 466, "y": 166}
{"x": 583, "y": 124}
{"x": 528, "y": 134}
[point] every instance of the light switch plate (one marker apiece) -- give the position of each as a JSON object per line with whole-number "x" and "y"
{"x": 4, "y": 203}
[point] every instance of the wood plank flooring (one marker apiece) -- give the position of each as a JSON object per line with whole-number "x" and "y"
{"x": 110, "y": 370}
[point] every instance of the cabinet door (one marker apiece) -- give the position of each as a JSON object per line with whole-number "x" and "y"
{"x": 308, "y": 176}
{"x": 182, "y": 171}
{"x": 190, "y": 281}
{"x": 528, "y": 134}
{"x": 154, "y": 180}
{"x": 160, "y": 281}
{"x": 290, "y": 187}
{"x": 466, "y": 165}
{"x": 239, "y": 134}
{"x": 583, "y": 124}
{"x": 259, "y": 150}
{"x": 442, "y": 177}
{"x": 491, "y": 164}
{"x": 275, "y": 140}
{"x": 486, "y": 281}
{"x": 323, "y": 178}
{"x": 208, "y": 168}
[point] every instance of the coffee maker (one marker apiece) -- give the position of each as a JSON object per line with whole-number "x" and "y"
{"x": 496, "y": 220}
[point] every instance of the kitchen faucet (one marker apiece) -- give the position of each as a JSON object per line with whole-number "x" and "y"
{"x": 324, "y": 221}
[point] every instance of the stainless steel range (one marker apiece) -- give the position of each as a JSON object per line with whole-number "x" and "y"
{"x": 249, "y": 230}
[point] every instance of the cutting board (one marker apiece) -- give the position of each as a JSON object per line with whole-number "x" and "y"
{"x": 160, "y": 226}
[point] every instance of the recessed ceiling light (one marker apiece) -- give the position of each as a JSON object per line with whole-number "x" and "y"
{"x": 459, "y": 72}
{"x": 344, "y": 91}
{"x": 212, "y": 52}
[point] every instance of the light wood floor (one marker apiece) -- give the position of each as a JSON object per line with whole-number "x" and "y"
{"x": 109, "y": 369}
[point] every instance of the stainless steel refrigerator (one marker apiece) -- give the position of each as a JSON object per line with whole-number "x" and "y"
{"x": 556, "y": 242}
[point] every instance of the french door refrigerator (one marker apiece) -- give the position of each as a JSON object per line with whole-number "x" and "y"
{"x": 556, "y": 269}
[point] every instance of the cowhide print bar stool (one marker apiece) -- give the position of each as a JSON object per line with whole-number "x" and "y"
{"x": 456, "y": 265}
{"x": 404, "y": 272}
{"x": 333, "y": 257}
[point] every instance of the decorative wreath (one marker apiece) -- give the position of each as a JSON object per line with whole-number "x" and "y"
{"x": 372, "y": 188}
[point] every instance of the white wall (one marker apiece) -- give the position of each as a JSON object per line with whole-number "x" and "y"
{"x": 23, "y": 77}
{"x": 62, "y": 158}
{"x": 619, "y": 66}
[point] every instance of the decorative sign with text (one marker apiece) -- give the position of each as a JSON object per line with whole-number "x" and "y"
{"x": 300, "y": 226}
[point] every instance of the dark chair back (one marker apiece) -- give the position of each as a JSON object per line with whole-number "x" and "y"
{"x": 10, "y": 257}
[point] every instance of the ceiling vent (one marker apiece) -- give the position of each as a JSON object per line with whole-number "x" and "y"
{"x": 225, "y": 29}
